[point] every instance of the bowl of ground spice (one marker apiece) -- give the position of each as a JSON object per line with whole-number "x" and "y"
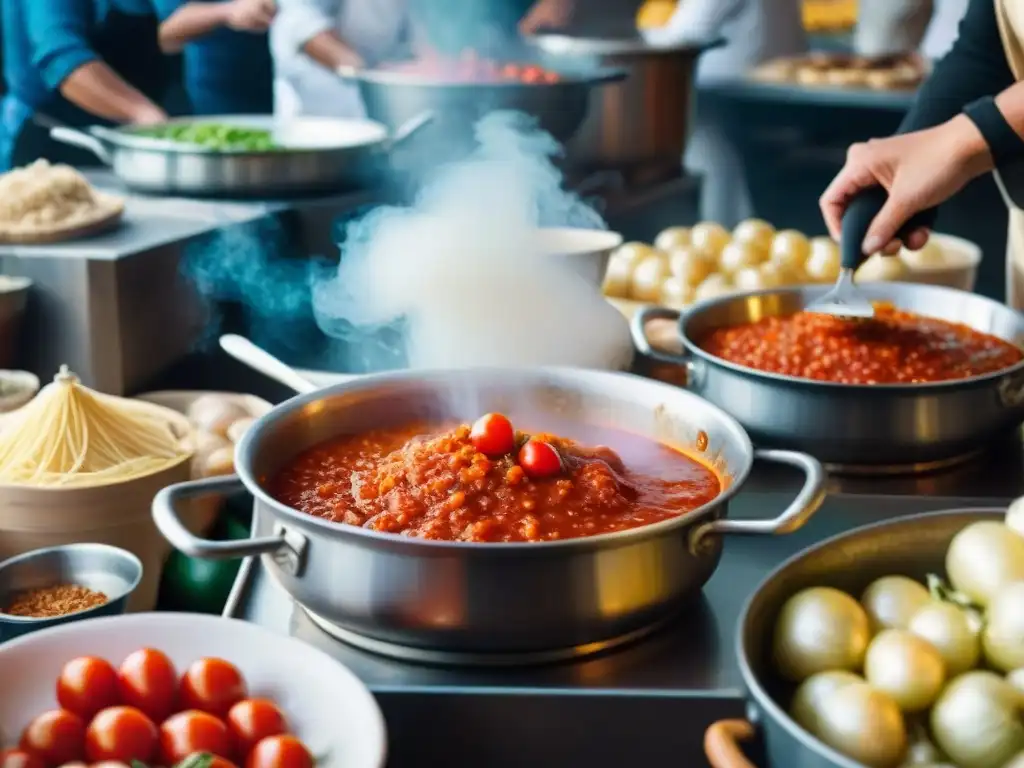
{"x": 57, "y": 585}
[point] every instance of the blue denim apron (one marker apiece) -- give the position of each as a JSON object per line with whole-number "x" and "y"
{"x": 128, "y": 44}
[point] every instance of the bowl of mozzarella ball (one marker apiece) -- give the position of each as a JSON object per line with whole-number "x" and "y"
{"x": 685, "y": 265}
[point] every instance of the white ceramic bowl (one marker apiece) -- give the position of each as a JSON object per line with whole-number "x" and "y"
{"x": 327, "y": 706}
{"x": 586, "y": 250}
{"x": 960, "y": 268}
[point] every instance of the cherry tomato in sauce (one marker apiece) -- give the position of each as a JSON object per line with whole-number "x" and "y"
{"x": 86, "y": 685}
{"x": 122, "y": 734}
{"x": 19, "y": 758}
{"x": 148, "y": 681}
{"x": 279, "y": 752}
{"x": 56, "y": 737}
{"x": 192, "y": 731}
{"x": 212, "y": 685}
{"x": 539, "y": 459}
{"x": 253, "y": 720}
{"x": 492, "y": 435}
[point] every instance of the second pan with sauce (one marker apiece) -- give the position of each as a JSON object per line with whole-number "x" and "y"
{"x": 883, "y": 425}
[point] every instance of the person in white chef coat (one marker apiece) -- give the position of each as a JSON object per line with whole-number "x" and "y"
{"x": 755, "y": 31}
{"x": 311, "y": 41}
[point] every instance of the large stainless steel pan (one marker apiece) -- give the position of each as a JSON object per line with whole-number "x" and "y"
{"x": 317, "y": 154}
{"x": 871, "y": 425}
{"x": 912, "y": 546}
{"x": 489, "y": 598}
{"x": 395, "y": 97}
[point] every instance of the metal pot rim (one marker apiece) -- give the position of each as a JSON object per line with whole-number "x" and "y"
{"x": 245, "y": 448}
{"x": 566, "y": 44}
{"x": 858, "y": 390}
{"x": 385, "y": 77}
{"x": 756, "y": 691}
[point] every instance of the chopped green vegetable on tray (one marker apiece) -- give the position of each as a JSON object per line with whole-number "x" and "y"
{"x": 215, "y": 136}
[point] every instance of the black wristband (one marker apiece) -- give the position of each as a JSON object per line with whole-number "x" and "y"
{"x": 1003, "y": 142}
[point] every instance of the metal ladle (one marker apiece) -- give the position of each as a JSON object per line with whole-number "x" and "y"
{"x": 844, "y": 300}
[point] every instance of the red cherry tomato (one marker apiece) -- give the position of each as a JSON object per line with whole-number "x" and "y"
{"x": 56, "y": 737}
{"x": 212, "y": 685}
{"x": 279, "y": 752}
{"x": 19, "y": 758}
{"x": 252, "y": 720}
{"x": 122, "y": 734}
{"x": 539, "y": 460}
{"x": 86, "y": 685}
{"x": 216, "y": 761}
{"x": 492, "y": 435}
{"x": 148, "y": 681}
{"x": 192, "y": 731}
{"x": 108, "y": 764}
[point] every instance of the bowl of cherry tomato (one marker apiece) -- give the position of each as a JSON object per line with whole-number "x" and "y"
{"x": 181, "y": 691}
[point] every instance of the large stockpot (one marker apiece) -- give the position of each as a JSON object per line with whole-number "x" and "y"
{"x": 500, "y": 597}
{"x": 318, "y": 154}
{"x": 912, "y": 546}
{"x": 870, "y": 425}
{"x": 642, "y": 122}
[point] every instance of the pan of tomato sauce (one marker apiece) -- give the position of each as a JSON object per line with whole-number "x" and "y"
{"x": 489, "y": 482}
{"x": 493, "y": 511}
{"x": 936, "y": 377}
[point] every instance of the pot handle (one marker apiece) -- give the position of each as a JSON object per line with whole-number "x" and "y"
{"x": 722, "y": 743}
{"x": 82, "y": 140}
{"x": 409, "y": 128}
{"x": 638, "y": 329}
{"x": 806, "y": 503}
{"x": 287, "y": 548}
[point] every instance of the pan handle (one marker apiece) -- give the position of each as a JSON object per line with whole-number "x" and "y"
{"x": 287, "y": 548}
{"x": 806, "y": 503}
{"x": 82, "y": 140}
{"x": 409, "y": 128}
{"x": 638, "y": 329}
{"x": 722, "y": 743}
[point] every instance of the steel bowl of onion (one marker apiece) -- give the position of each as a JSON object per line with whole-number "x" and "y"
{"x": 893, "y": 645}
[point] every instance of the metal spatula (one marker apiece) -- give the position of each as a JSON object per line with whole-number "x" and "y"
{"x": 844, "y": 300}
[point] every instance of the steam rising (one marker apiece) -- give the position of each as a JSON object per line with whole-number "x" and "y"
{"x": 465, "y": 270}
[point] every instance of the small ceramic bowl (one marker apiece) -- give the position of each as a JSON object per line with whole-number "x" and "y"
{"x": 17, "y": 388}
{"x": 110, "y": 570}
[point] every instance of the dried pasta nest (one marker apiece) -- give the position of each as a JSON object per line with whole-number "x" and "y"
{"x": 43, "y": 202}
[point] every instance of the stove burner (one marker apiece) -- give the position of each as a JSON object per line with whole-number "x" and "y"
{"x": 426, "y": 656}
{"x": 891, "y": 470}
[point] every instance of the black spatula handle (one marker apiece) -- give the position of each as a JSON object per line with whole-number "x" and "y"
{"x": 857, "y": 219}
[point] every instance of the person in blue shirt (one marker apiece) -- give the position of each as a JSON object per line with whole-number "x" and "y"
{"x": 227, "y": 64}
{"x": 79, "y": 62}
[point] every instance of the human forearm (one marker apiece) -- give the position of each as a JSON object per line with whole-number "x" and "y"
{"x": 975, "y": 67}
{"x": 330, "y": 51}
{"x": 99, "y": 90}
{"x": 191, "y": 21}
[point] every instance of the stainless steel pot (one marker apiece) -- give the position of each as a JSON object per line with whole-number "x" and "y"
{"x": 502, "y": 597}
{"x": 395, "y": 97}
{"x": 318, "y": 155}
{"x": 912, "y": 546}
{"x": 870, "y": 425}
{"x": 642, "y": 122}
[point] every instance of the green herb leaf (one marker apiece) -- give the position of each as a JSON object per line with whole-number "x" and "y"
{"x": 197, "y": 760}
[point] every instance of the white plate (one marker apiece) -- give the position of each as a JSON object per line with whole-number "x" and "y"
{"x": 327, "y": 706}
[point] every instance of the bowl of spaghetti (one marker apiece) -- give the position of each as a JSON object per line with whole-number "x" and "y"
{"x": 82, "y": 467}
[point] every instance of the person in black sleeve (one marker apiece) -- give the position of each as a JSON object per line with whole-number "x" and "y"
{"x": 967, "y": 120}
